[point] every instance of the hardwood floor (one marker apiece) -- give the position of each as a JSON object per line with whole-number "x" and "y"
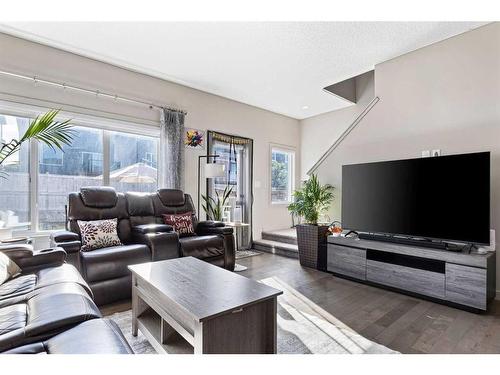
{"x": 403, "y": 323}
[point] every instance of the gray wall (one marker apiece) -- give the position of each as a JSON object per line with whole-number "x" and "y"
{"x": 445, "y": 96}
{"x": 205, "y": 111}
{"x": 318, "y": 133}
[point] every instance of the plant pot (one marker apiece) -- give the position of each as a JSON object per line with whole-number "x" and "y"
{"x": 311, "y": 241}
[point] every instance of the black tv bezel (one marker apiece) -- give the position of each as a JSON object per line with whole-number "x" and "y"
{"x": 410, "y": 236}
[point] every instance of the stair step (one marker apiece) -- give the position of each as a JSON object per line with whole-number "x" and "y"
{"x": 286, "y": 236}
{"x": 276, "y": 247}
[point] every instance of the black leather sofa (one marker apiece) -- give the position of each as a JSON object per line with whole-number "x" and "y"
{"x": 48, "y": 308}
{"x": 143, "y": 233}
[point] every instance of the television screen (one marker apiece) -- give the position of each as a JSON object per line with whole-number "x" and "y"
{"x": 445, "y": 197}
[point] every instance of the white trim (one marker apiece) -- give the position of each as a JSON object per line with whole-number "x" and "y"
{"x": 104, "y": 122}
{"x": 33, "y": 186}
{"x": 292, "y": 152}
{"x": 106, "y": 157}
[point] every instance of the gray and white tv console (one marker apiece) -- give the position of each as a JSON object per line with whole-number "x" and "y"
{"x": 458, "y": 278}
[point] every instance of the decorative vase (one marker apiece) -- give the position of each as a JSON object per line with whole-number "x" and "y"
{"x": 311, "y": 241}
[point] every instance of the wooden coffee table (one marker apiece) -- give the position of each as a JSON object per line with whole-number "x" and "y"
{"x": 185, "y": 305}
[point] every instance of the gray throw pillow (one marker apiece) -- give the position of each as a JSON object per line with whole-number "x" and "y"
{"x": 98, "y": 234}
{"x": 8, "y": 268}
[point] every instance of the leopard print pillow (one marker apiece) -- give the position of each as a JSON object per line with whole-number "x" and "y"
{"x": 98, "y": 234}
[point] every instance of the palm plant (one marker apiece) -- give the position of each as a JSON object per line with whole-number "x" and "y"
{"x": 312, "y": 200}
{"x": 43, "y": 128}
{"x": 214, "y": 207}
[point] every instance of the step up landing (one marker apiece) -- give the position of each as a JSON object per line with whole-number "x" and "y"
{"x": 281, "y": 242}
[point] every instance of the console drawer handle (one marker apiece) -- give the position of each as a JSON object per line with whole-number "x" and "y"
{"x": 237, "y": 311}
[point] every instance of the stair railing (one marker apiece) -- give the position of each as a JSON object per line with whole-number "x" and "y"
{"x": 346, "y": 132}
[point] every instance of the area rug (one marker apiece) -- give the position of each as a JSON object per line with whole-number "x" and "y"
{"x": 303, "y": 328}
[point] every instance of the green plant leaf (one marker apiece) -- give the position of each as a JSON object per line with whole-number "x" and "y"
{"x": 43, "y": 128}
{"x": 312, "y": 200}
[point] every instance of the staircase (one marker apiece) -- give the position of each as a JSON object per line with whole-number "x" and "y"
{"x": 280, "y": 242}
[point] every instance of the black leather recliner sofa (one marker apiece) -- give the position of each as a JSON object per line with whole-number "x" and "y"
{"x": 48, "y": 308}
{"x": 143, "y": 233}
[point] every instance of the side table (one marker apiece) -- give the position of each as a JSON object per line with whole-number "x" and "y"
{"x": 237, "y": 232}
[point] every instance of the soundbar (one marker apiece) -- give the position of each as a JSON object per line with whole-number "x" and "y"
{"x": 411, "y": 241}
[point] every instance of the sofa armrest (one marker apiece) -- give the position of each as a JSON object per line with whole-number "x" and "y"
{"x": 64, "y": 236}
{"x": 163, "y": 245}
{"x": 28, "y": 259}
{"x": 69, "y": 241}
{"x": 152, "y": 228}
{"x": 210, "y": 224}
{"x": 16, "y": 252}
{"x": 218, "y": 228}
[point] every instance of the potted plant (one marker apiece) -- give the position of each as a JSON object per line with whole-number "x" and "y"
{"x": 309, "y": 203}
{"x": 43, "y": 128}
{"x": 214, "y": 207}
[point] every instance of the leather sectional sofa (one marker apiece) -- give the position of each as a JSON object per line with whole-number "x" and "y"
{"x": 143, "y": 233}
{"x": 48, "y": 308}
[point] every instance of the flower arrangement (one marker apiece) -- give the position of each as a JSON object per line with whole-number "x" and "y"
{"x": 335, "y": 229}
{"x": 194, "y": 138}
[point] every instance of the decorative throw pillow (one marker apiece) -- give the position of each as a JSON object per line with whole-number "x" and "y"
{"x": 98, "y": 234}
{"x": 8, "y": 268}
{"x": 182, "y": 223}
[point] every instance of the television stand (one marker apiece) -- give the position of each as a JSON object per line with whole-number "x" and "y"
{"x": 412, "y": 241}
{"x": 464, "y": 278}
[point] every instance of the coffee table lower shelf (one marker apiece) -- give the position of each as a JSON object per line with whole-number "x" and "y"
{"x": 150, "y": 325}
{"x": 177, "y": 305}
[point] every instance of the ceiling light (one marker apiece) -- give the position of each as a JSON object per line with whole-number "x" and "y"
{"x": 305, "y": 107}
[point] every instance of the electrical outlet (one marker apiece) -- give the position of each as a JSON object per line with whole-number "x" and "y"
{"x": 436, "y": 152}
{"x": 426, "y": 153}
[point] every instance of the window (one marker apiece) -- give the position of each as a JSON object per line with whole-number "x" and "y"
{"x": 15, "y": 180}
{"x": 38, "y": 179}
{"x": 133, "y": 162}
{"x": 50, "y": 157}
{"x": 282, "y": 175}
{"x": 82, "y": 165}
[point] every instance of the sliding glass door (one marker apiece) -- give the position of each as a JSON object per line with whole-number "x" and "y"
{"x": 236, "y": 153}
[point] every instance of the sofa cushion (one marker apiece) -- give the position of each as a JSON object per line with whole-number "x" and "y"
{"x": 171, "y": 197}
{"x": 139, "y": 204}
{"x": 8, "y": 268}
{"x": 202, "y": 247}
{"x": 112, "y": 262}
{"x": 12, "y": 318}
{"x": 152, "y": 228}
{"x": 44, "y": 313}
{"x": 17, "y": 286}
{"x": 181, "y": 223}
{"x": 99, "y": 196}
{"x": 57, "y": 306}
{"x": 96, "y": 336}
{"x": 65, "y": 273}
{"x": 24, "y": 284}
{"x": 98, "y": 234}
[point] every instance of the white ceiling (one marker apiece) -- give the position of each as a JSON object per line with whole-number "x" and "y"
{"x": 281, "y": 67}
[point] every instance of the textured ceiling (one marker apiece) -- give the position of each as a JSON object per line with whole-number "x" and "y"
{"x": 281, "y": 67}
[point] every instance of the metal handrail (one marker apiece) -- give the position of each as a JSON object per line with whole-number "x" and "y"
{"x": 346, "y": 132}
